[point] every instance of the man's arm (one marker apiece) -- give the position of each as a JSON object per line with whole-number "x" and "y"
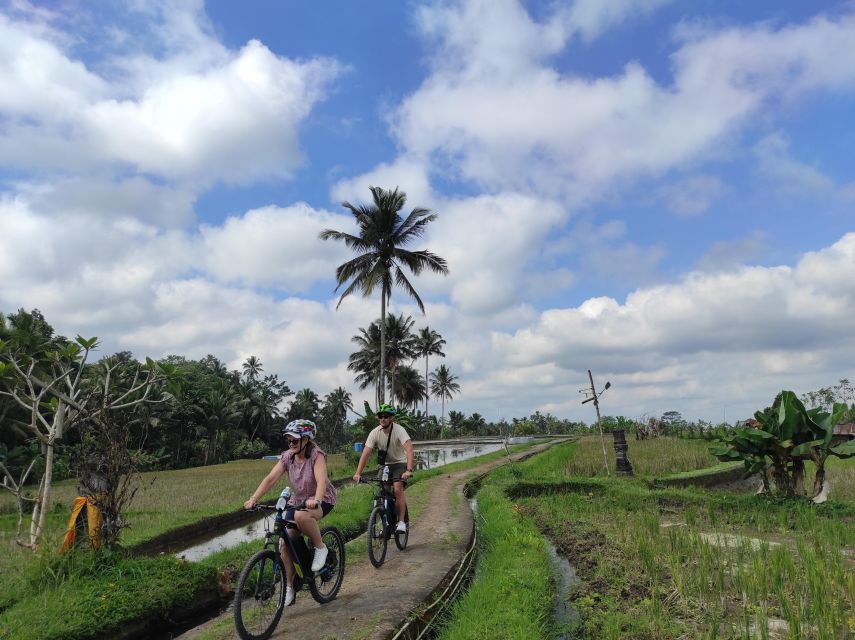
{"x": 363, "y": 459}
{"x": 408, "y": 447}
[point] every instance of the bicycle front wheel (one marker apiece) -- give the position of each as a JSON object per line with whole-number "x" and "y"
{"x": 377, "y": 536}
{"x": 260, "y": 596}
{"x": 325, "y": 583}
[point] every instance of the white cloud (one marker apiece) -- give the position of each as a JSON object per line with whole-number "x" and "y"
{"x": 590, "y": 18}
{"x": 206, "y": 114}
{"x": 407, "y": 173}
{"x": 275, "y": 247}
{"x": 786, "y": 173}
{"x": 520, "y": 124}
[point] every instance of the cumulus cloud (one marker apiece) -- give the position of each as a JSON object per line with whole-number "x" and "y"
{"x": 511, "y": 121}
{"x": 189, "y": 117}
{"x": 275, "y": 247}
{"x": 765, "y": 319}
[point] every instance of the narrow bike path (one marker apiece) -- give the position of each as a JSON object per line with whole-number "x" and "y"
{"x": 373, "y": 602}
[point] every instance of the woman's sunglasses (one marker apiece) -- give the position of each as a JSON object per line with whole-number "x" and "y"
{"x": 292, "y": 441}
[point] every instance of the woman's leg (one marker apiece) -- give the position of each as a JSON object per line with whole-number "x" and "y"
{"x": 287, "y": 560}
{"x": 308, "y": 522}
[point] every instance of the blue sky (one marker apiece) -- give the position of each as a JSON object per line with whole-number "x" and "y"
{"x": 659, "y": 191}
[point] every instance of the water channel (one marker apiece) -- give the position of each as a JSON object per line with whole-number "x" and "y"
{"x": 429, "y": 455}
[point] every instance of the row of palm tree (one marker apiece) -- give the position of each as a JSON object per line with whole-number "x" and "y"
{"x": 407, "y": 387}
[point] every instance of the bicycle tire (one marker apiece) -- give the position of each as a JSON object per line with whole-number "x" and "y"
{"x": 260, "y": 596}
{"x": 377, "y": 537}
{"x": 402, "y": 538}
{"x": 324, "y": 584}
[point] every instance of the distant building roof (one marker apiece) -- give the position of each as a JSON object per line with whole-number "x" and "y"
{"x": 845, "y": 429}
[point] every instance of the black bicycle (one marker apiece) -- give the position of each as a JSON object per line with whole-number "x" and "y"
{"x": 383, "y": 519}
{"x": 260, "y": 597}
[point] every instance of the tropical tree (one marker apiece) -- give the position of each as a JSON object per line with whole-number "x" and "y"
{"x": 781, "y": 438}
{"x": 476, "y": 424}
{"x": 221, "y": 409}
{"x": 383, "y": 234}
{"x": 306, "y": 404}
{"x": 47, "y": 379}
{"x": 428, "y": 343}
{"x": 443, "y": 385}
{"x": 365, "y": 362}
{"x": 263, "y": 398}
{"x": 400, "y": 344}
{"x": 409, "y": 386}
{"x": 252, "y": 367}
{"x": 334, "y": 417}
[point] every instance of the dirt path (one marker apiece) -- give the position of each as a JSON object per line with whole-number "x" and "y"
{"x": 373, "y": 602}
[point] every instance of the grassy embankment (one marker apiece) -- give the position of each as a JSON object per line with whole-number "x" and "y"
{"x": 84, "y": 595}
{"x": 659, "y": 563}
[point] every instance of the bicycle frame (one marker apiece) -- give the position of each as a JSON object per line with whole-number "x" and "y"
{"x": 279, "y": 533}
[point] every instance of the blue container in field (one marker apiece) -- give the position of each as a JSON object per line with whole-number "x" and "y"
{"x": 357, "y": 446}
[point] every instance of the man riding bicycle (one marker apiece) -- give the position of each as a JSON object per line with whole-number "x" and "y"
{"x": 395, "y": 448}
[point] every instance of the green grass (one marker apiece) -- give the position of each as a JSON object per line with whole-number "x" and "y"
{"x": 87, "y": 595}
{"x": 511, "y": 597}
{"x": 654, "y": 457}
{"x": 167, "y": 500}
{"x": 668, "y": 563}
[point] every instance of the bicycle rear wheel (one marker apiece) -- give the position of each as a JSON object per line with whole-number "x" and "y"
{"x": 401, "y": 538}
{"x": 260, "y": 596}
{"x": 377, "y": 536}
{"x": 326, "y": 582}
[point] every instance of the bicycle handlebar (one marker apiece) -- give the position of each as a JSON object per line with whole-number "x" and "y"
{"x": 272, "y": 507}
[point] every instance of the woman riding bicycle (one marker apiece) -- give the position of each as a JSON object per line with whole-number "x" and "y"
{"x": 306, "y": 464}
{"x": 395, "y": 450}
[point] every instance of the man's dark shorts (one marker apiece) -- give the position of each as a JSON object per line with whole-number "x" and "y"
{"x": 395, "y": 471}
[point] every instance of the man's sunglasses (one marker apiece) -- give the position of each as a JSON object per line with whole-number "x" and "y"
{"x": 383, "y": 415}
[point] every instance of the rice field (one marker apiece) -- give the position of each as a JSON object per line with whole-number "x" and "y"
{"x": 679, "y": 563}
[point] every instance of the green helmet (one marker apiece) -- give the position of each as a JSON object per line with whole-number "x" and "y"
{"x": 385, "y": 408}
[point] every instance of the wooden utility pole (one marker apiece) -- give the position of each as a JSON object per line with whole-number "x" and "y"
{"x": 596, "y": 400}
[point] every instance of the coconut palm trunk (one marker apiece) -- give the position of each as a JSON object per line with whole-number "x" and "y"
{"x": 382, "y": 382}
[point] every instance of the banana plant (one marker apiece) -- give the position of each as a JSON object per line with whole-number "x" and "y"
{"x": 782, "y": 438}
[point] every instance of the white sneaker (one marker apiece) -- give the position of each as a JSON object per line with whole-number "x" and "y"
{"x": 319, "y": 559}
{"x": 289, "y": 595}
{"x": 402, "y": 527}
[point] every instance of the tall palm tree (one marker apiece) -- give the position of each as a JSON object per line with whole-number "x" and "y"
{"x": 400, "y": 344}
{"x": 428, "y": 343}
{"x": 334, "y": 416}
{"x": 443, "y": 385}
{"x": 383, "y": 234}
{"x": 409, "y": 386}
{"x": 252, "y": 367}
{"x": 221, "y": 409}
{"x": 305, "y": 404}
{"x": 366, "y": 361}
